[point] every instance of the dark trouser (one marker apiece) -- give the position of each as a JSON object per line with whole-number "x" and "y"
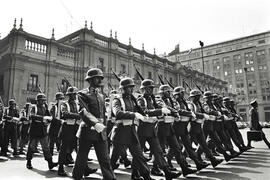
{"x": 138, "y": 160}
{"x": 208, "y": 130}
{"x": 10, "y": 134}
{"x": 175, "y": 148}
{"x": 238, "y": 133}
{"x": 52, "y": 141}
{"x": 23, "y": 136}
{"x": 231, "y": 133}
{"x": 155, "y": 149}
{"x": 65, "y": 149}
{"x": 44, "y": 145}
{"x": 101, "y": 148}
{"x": 225, "y": 139}
{"x": 200, "y": 138}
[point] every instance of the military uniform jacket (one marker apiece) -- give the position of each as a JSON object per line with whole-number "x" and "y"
{"x": 70, "y": 115}
{"x": 165, "y": 129}
{"x": 254, "y": 122}
{"x": 38, "y": 129}
{"x": 95, "y": 102}
{"x": 196, "y": 127}
{"x": 9, "y": 113}
{"x": 55, "y": 125}
{"x": 147, "y": 129}
{"x": 124, "y": 134}
{"x": 25, "y": 123}
{"x": 180, "y": 126}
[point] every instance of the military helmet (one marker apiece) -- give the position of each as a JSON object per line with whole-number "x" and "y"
{"x": 94, "y": 72}
{"x": 40, "y": 96}
{"x": 253, "y": 102}
{"x": 11, "y": 101}
{"x": 214, "y": 96}
{"x": 207, "y": 94}
{"x": 164, "y": 88}
{"x": 195, "y": 92}
{"x": 59, "y": 96}
{"x": 71, "y": 90}
{"x": 226, "y": 99}
{"x": 125, "y": 82}
{"x": 147, "y": 83}
{"x": 178, "y": 90}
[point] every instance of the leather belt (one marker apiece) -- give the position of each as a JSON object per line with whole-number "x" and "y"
{"x": 127, "y": 122}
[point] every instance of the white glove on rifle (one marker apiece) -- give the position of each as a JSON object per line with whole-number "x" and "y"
{"x": 206, "y": 116}
{"x": 99, "y": 127}
{"x": 139, "y": 116}
{"x": 165, "y": 111}
{"x": 47, "y": 118}
{"x": 193, "y": 114}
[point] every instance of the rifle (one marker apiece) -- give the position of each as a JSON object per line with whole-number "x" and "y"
{"x": 198, "y": 87}
{"x": 170, "y": 84}
{"x": 40, "y": 90}
{"x": 160, "y": 79}
{"x": 58, "y": 87}
{"x": 138, "y": 72}
{"x": 117, "y": 77}
{"x": 110, "y": 86}
{"x": 69, "y": 85}
{"x": 186, "y": 84}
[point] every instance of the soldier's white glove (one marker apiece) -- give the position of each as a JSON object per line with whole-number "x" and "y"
{"x": 99, "y": 127}
{"x": 219, "y": 113}
{"x": 206, "y": 116}
{"x": 165, "y": 111}
{"x": 139, "y": 116}
{"x": 47, "y": 118}
{"x": 193, "y": 114}
{"x": 212, "y": 118}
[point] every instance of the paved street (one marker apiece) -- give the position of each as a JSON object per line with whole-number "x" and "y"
{"x": 254, "y": 164}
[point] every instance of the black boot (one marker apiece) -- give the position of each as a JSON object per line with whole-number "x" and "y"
{"x": 169, "y": 175}
{"x": 15, "y": 152}
{"x": 61, "y": 171}
{"x": 215, "y": 161}
{"x": 186, "y": 171}
{"x": 227, "y": 157}
{"x": 115, "y": 166}
{"x": 51, "y": 164}
{"x": 29, "y": 164}
{"x": 135, "y": 175}
{"x": 201, "y": 165}
{"x": 89, "y": 171}
{"x": 156, "y": 171}
{"x": 147, "y": 177}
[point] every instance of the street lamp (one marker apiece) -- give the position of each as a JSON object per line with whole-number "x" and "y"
{"x": 202, "y": 44}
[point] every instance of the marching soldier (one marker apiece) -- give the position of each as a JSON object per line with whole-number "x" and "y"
{"x": 220, "y": 127}
{"x": 124, "y": 133}
{"x": 10, "y": 118}
{"x": 228, "y": 124}
{"x": 67, "y": 133}
{"x": 165, "y": 129}
{"x": 92, "y": 131}
{"x": 180, "y": 127}
{"x": 40, "y": 117}
{"x": 110, "y": 123}
{"x": 196, "y": 125}
{"x": 56, "y": 123}
{"x": 208, "y": 126}
{"x": 147, "y": 131}
{"x": 24, "y": 127}
{"x": 255, "y": 125}
{"x": 230, "y": 107}
{"x": 1, "y": 125}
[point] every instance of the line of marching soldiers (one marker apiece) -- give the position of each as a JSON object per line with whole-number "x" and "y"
{"x": 169, "y": 124}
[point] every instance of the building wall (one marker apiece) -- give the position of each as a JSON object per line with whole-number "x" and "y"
{"x": 28, "y": 61}
{"x": 228, "y": 60}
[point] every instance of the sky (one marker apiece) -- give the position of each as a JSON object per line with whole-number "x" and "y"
{"x": 159, "y": 24}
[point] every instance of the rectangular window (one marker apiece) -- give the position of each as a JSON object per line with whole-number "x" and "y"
{"x": 150, "y": 75}
{"x": 171, "y": 80}
{"x": 123, "y": 68}
{"x": 1, "y": 83}
{"x": 260, "y": 53}
{"x": 101, "y": 64}
{"x": 32, "y": 83}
